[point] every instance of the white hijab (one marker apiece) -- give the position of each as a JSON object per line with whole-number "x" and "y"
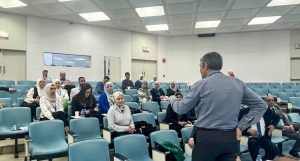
{"x": 41, "y": 91}
{"x": 48, "y": 95}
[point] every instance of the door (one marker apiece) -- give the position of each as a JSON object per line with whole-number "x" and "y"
{"x": 12, "y": 65}
{"x": 144, "y": 67}
{"x": 112, "y": 68}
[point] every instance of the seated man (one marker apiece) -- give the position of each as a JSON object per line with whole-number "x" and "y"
{"x": 290, "y": 130}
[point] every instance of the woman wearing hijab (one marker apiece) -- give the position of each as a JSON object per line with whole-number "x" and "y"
{"x": 106, "y": 99}
{"x": 138, "y": 83}
{"x": 60, "y": 92}
{"x": 51, "y": 106}
{"x": 172, "y": 89}
{"x": 143, "y": 93}
{"x": 33, "y": 96}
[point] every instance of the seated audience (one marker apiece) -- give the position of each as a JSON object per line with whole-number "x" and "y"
{"x": 151, "y": 83}
{"x": 11, "y": 90}
{"x": 290, "y": 130}
{"x": 106, "y": 99}
{"x": 52, "y": 107}
{"x": 60, "y": 92}
{"x": 172, "y": 89}
{"x": 119, "y": 117}
{"x": 74, "y": 91}
{"x": 138, "y": 83}
{"x": 45, "y": 75}
{"x": 143, "y": 93}
{"x": 157, "y": 93}
{"x": 127, "y": 83}
{"x": 177, "y": 121}
{"x": 85, "y": 100}
{"x": 100, "y": 85}
{"x": 32, "y": 99}
{"x": 63, "y": 80}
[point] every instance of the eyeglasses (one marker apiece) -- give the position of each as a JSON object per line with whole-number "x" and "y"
{"x": 270, "y": 100}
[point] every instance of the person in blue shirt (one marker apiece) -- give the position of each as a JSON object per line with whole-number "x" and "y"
{"x": 100, "y": 85}
{"x": 157, "y": 93}
{"x": 138, "y": 83}
{"x": 106, "y": 99}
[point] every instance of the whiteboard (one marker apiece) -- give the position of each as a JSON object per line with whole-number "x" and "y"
{"x": 295, "y": 68}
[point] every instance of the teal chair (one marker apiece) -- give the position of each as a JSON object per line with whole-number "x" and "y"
{"x": 261, "y": 92}
{"x": 287, "y": 85}
{"x": 184, "y": 87}
{"x": 38, "y": 113}
{"x": 137, "y": 152}
{"x": 274, "y": 91}
{"x": 19, "y": 102}
{"x": 92, "y": 83}
{"x": 6, "y": 101}
{"x": 273, "y": 85}
{"x": 7, "y": 82}
{"x": 89, "y": 150}
{"x": 295, "y": 102}
{"x": 294, "y": 117}
{"x": 5, "y": 94}
{"x": 22, "y": 88}
{"x": 26, "y": 82}
{"x": 15, "y": 96}
{"x": 164, "y": 105}
{"x": 284, "y": 96}
{"x": 128, "y": 98}
{"x": 133, "y": 105}
{"x": 131, "y": 92}
{"x": 46, "y": 140}
{"x": 297, "y": 94}
{"x": 161, "y": 116}
{"x": 147, "y": 117}
{"x": 118, "y": 90}
{"x": 152, "y": 107}
{"x": 84, "y": 129}
{"x": 19, "y": 116}
{"x": 186, "y": 134}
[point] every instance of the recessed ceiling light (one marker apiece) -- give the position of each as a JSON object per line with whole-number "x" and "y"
{"x": 283, "y": 2}
{"x": 159, "y": 27}
{"x": 64, "y": 0}
{"x": 207, "y": 24}
{"x": 150, "y": 11}
{"x": 11, "y": 3}
{"x": 94, "y": 16}
{"x": 263, "y": 20}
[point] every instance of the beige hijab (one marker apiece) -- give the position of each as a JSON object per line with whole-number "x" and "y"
{"x": 41, "y": 91}
{"x": 48, "y": 95}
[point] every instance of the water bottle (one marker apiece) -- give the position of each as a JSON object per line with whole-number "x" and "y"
{"x": 82, "y": 113}
{"x": 258, "y": 158}
{"x": 14, "y": 128}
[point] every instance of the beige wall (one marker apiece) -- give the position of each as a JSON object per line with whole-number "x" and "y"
{"x": 16, "y": 27}
{"x": 295, "y": 39}
{"x": 139, "y": 41}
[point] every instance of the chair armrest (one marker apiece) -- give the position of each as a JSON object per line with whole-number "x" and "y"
{"x": 159, "y": 155}
{"x": 71, "y": 137}
{"x": 188, "y": 149}
{"x": 119, "y": 157}
{"x": 244, "y": 140}
{"x": 164, "y": 126}
{"x": 107, "y": 135}
{"x": 26, "y": 145}
{"x": 277, "y": 133}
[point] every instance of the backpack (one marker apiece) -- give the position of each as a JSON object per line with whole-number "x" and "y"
{"x": 144, "y": 127}
{"x": 176, "y": 153}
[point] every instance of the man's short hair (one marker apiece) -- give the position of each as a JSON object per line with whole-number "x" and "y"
{"x": 80, "y": 78}
{"x": 213, "y": 60}
{"x": 127, "y": 73}
{"x": 107, "y": 77}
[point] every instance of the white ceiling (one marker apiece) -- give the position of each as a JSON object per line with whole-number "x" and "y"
{"x": 181, "y": 15}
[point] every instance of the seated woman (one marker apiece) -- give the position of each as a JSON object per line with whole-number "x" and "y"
{"x": 172, "y": 89}
{"x": 119, "y": 117}
{"x": 106, "y": 99}
{"x": 138, "y": 83}
{"x": 60, "y": 92}
{"x": 157, "y": 93}
{"x": 52, "y": 107}
{"x": 178, "y": 121}
{"x": 84, "y": 100}
{"x": 32, "y": 99}
{"x": 143, "y": 93}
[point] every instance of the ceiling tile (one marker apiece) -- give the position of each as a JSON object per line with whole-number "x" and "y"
{"x": 234, "y": 22}
{"x": 145, "y": 3}
{"x": 282, "y": 25}
{"x": 110, "y": 23}
{"x": 242, "y": 4}
{"x": 154, "y": 20}
{"x": 178, "y": 1}
{"x": 246, "y": 13}
{"x": 205, "y": 30}
{"x": 70, "y": 18}
{"x": 136, "y": 28}
{"x": 81, "y": 6}
{"x": 208, "y": 16}
{"x": 296, "y": 10}
{"x": 181, "y": 8}
{"x": 182, "y": 32}
{"x": 181, "y": 18}
{"x": 31, "y": 11}
{"x": 129, "y": 22}
{"x": 34, "y": 2}
{"x": 111, "y": 4}
{"x": 274, "y": 11}
{"x": 228, "y": 29}
{"x": 54, "y": 9}
{"x": 296, "y": 26}
{"x": 254, "y": 27}
{"x": 181, "y": 25}
{"x": 289, "y": 18}
{"x": 214, "y": 5}
{"x": 122, "y": 13}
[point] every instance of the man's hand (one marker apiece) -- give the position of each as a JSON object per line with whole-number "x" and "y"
{"x": 12, "y": 90}
{"x": 238, "y": 133}
{"x": 238, "y": 158}
{"x": 271, "y": 128}
{"x": 191, "y": 142}
{"x": 289, "y": 128}
{"x": 252, "y": 132}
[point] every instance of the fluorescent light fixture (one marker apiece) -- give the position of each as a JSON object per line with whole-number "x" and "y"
{"x": 160, "y": 27}
{"x": 64, "y": 0}
{"x": 150, "y": 11}
{"x": 283, "y": 2}
{"x": 263, "y": 20}
{"x": 11, "y": 3}
{"x": 207, "y": 24}
{"x": 94, "y": 16}
{"x": 79, "y": 59}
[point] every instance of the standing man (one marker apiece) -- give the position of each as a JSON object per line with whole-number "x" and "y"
{"x": 100, "y": 85}
{"x": 63, "y": 80}
{"x": 217, "y": 100}
{"x": 127, "y": 83}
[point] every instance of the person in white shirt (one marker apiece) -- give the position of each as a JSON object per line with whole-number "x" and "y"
{"x": 74, "y": 91}
{"x": 60, "y": 92}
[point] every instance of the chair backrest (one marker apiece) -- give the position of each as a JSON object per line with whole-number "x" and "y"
{"x": 147, "y": 117}
{"x": 137, "y": 152}
{"x": 7, "y": 82}
{"x": 151, "y": 106}
{"x": 6, "y": 101}
{"x": 133, "y": 105}
{"x": 164, "y": 104}
{"x": 164, "y": 135}
{"x": 19, "y": 102}
{"x": 89, "y": 150}
{"x": 295, "y": 101}
{"x": 186, "y": 133}
{"x": 284, "y": 95}
{"x": 5, "y": 94}
{"x": 19, "y": 116}
{"x": 161, "y": 117}
{"x": 85, "y": 128}
{"x": 294, "y": 117}
{"x": 38, "y": 113}
{"x": 118, "y": 90}
{"x": 105, "y": 123}
{"x": 127, "y": 98}
{"x": 22, "y": 88}
{"x": 26, "y": 82}
{"x": 92, "y": 83}
{"x": 297, "y": 94}
{"x": 131, "y": 92}
{"x": 45, "y": 133}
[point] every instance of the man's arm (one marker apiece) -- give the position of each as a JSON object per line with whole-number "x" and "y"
{"x": 257, "y": 109}
{"x": 4, "y": 88}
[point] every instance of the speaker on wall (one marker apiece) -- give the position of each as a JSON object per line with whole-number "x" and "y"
{"x": 207, "y": 35}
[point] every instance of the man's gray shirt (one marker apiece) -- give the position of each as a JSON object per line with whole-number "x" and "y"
{"x": 217, "y": 101}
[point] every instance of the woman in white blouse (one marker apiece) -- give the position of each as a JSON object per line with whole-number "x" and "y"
{"x": 119, "y": 117}
{"x": 143, "y": 93}
{"x": 52, "y": 107}
{"x": 60, "y": 92}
